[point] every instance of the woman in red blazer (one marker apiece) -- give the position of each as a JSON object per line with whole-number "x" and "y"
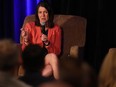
{"x": 44, "y": 33}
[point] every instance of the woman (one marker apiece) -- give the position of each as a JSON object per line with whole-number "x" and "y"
{"x": 43, "y": 32}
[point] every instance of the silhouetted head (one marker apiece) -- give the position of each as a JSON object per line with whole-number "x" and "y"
{"x": 9, "y": 54}
{"x": 33, "y": 57}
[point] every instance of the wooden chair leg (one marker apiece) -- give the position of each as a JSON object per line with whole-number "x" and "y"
{"x": 21, "y": 71}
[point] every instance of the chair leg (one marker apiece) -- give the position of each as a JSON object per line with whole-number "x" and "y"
{"x": 21, "y": 71}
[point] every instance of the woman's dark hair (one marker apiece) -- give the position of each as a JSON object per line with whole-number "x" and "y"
{"x": 50, "y": 14}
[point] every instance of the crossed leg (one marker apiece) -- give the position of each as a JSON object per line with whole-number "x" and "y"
{"x": 51, "y": 66}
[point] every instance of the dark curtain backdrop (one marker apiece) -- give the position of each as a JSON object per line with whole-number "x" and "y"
{"x": 12, "y": 14}
{"x": 100, "y": 14}
{"x": 101, "y": 25}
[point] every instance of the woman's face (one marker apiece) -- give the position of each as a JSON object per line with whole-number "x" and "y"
{"x": 43, "y": 14}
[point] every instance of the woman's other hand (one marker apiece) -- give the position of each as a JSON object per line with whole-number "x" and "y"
{"x": 25, "y": 36}
{"x": 44, "y": 38}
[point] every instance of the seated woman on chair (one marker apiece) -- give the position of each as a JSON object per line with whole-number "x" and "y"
{"x": 45, "y": 33}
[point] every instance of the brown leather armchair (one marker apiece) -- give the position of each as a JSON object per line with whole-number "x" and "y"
{"x": 73, "y": 30}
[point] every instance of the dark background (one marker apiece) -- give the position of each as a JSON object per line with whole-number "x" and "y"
{"x": 101, "y": 24}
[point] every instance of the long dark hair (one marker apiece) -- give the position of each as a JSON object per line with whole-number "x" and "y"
{"x": 50, "y": 14}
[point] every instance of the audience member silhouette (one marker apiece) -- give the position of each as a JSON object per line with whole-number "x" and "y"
{"x": 70, "y": 71}
{"x": 9, "y": 54}
{"x": 33, "y": 57}
{"x": 107, "y": 74}
{"x": 55, "y": 84}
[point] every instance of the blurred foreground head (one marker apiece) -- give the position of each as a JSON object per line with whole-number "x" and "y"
{"x": 107, "y": 74}
{"x": 70, "y": 70}
{"x": 33, "y": 57}
{"x": 9, "y": 54}
{"x": 55, "y": 84}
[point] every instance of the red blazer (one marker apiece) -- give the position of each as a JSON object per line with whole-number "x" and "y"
{"x": 54, "y": 36}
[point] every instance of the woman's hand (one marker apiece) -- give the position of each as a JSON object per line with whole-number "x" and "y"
{"x": 44, "y": 38}
{"x": 25, "y": 36}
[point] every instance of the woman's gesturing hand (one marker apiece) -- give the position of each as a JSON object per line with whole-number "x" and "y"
{"x": 25, "y": 36}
